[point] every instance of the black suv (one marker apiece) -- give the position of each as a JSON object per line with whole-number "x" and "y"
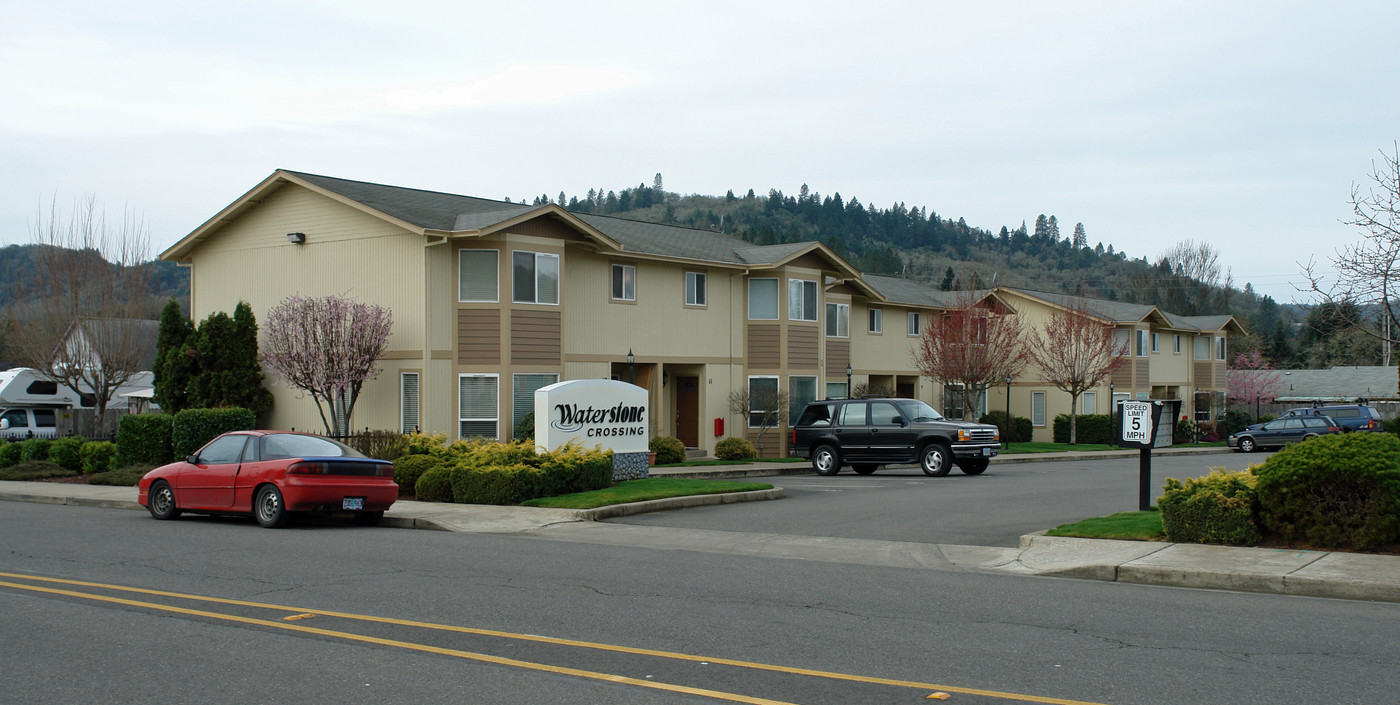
{"x": 868, "y": 433}
{"x": 1351, "y": 417}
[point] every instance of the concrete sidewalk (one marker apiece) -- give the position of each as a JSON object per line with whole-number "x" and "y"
{"x": 1286, "y": 572}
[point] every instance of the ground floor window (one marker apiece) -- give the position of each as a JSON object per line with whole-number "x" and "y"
{"x": 408, "y": 402}
{"x": 478, "y": 405}
{"x": 523, "y": 394}
{"x": 954, "y": 398}
{"x": 1037, "y": 408}
{"x": 1089, "y": 403}
{"x": 763, "y": 400}
{"x": 801, "y": 390}
{"x": 837, "y": 390}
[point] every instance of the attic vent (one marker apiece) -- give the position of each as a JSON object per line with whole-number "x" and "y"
{"x": 42, "y": 387}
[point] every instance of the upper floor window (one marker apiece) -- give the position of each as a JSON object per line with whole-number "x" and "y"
{"x": 1201, "y": 349}
{"x": 624, "y": 282}
{"x": 1142, "y": 343}
{"x": 876, "y": 320}
{"x": 1220, "y": 348}
{"x": 536, "y": 278}
{"x": 763, "y": 299}
{"x": 1120, "y": 342}
{"x": 913, "y": 323}
{"x": 477, "y": 275}
{"x": 1155, "y": 347}
{"x": 838, "y": 320}
{"x": 1176, "y": 342}
{"x": 695, "y": 289}
{"x": 802, "y": 300}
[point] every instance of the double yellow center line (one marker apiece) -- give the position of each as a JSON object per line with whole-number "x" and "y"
{"x": 298, "y": 614}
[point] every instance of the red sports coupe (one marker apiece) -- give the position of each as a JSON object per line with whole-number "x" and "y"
{"x": 269, "y": 474}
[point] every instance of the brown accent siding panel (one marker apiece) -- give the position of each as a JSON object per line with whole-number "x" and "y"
{"x": 534, "y": 337}
{"x": 1123, "y": 376}
{"x": 764, "y": 346}
{"x": 803, "y": 351}
{"x": 479, "y": 336}
{"x": 838, "y": 355}
{"x": 1201, "y": 375}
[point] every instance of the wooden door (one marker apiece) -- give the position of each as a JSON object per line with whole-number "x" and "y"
{"x": 688, "y": 411}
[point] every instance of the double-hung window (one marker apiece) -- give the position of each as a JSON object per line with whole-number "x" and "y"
{"x": 695, "y": 289}
{"x": 913, "y": 323}
{"x": 478, "y": 405}
{"x": 624, "y": 282}
{"x": 1037, "y": 408}
{"x": 838, "y": 320}
{"x": 408, "y": 402}
{"x": 1155, "y": 347}
{"x": 477, "y": 275}
{"x": 536, "y": 277}
{"x": 1142, "y": 343}
{"x": 802, "y": 300}
{"x": 763, "y": 299}
{"x": 876, "y": 320}
{"x": 763, "y": 400}
{"x": 1220, "y": 348}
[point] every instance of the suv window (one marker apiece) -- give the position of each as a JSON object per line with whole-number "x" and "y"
{"x": 1345, "y": 412}
{"x": 883, "y": 413}
{"x": 1316, "y": 422}
{"x": 816, "y": 415}
{"x": 852, "y": 414}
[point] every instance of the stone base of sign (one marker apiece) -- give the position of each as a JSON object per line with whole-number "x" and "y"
{"x": 630, "y": 466}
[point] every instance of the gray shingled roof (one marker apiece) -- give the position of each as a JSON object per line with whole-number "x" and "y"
{"x": 905, "y": 291}
{"x": 1338, "y": 384}
{"x": 1116, "y": 311}
{"x": 425, "y": 209}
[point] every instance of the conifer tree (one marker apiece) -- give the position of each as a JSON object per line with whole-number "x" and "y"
{"x": 173, "y": 367}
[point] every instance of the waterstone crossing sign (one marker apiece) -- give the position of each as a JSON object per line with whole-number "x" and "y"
{"x": 614, "y": 415}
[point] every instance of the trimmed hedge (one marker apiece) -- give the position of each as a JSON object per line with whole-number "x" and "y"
{"x": 9, "y": 453}
{"x": 1088, "y": 428}
{"x": 146, "y": 439}
{"x": 408, "y": 468}
{"x": 1336, "y": 491}
{"x": 668, "y": 450}
{"x": 192, "y": 428}
{"x": 510, "y": 473}
{"x": 99, "y": 456}
{"x": 435, "y": 485}
{"x": 67, "y": 452}
{"x": 34, "y": 449}
{"x": 1020, "y": 431}
{"x": 735, "y": 449}
{"x": 1220, "y": 508}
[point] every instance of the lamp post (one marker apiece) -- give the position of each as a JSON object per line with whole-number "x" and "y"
{"x": 1008, "y": 412}
{"x": 631, "y": 367}
{"x": 1112, "y": 405}
{"x": 848, "y": 381}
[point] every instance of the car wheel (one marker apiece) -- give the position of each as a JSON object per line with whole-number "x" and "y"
{"x": 369, "y": 518}
{"x": 864, "y": 468}
{"x": 974, "y": 467}
{"x": 936, "y": 460}
{"x": 826, "y": 460}
{"x": 161, "y": 501}
{"x": 268, "y": 508}
{"x": 1246, "y": 445}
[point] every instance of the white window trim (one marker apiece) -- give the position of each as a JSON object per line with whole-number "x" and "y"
{"x": 1220, "y": 348}
{"x": 1176, "y": 343}
{"x": 703, "y": 288}
{"x": 1043, "y": 411}
{"x": 748, "y": 301}
{"x": 875, "y": 321}
{"x": 612, "y": 272}
{"x": 840, "y": 318}
{"x": 496, "y": 255}
{"x": 1084, "y": 407}
{"x": 496, "y": 420}
{"x": 748, "y": 417}
{"x": 1141, "y": 348}
{"x": 417, "y": 401}
{"x": 817, "y": 296}
{"x": 912, "y": 323}
{"x": 1156, "y": 343}
{"x": 558, "y": 294}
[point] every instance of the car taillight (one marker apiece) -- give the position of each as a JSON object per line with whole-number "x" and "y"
{"x": 306, "y": 467}
{"x": 385, "y": 471}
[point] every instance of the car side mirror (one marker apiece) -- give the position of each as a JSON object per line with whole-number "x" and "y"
{"x": 192, "y": 460}
{"x": 4, "y": 424}
{"x": 900, "y": 420}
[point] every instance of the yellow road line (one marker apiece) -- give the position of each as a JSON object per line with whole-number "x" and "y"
{"x": 561, "y": 670}
{"x": 581, "y": 644}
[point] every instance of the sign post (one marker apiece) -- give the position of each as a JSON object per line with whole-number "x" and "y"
{"x": 1137, "y": 428}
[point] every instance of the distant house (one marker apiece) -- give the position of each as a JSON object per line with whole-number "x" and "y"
{"x": 1375, "y": 385}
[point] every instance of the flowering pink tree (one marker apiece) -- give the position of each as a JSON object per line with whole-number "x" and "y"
{"x": 1252, "y": 378}
{"x": 327, "y": 347}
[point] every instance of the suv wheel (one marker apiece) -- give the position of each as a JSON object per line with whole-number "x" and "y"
{"x": 936, "y": 460}
{"x": 826, "y": 460}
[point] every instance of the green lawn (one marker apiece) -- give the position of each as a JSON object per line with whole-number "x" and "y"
{"x": 645, "y": 489}
{"x": 1131, "y": 526}
{"x": 746, "y": 461}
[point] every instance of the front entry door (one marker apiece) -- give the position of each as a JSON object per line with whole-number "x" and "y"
{"x": 688, "y": 411}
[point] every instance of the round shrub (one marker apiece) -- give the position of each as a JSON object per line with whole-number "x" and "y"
{"x": 425, "y": 443}
{"x": 735, "y": 449}
{"x": 434, "y": 485}
{"x": 1220, "y": 508}
{"x": 35, "y": 449}
{"x": 99, "y": 456}
{"x": 1337, "y": 491}
{"x": 409, "y": 468}
{"x": 9, "y": 453}
{"x": 668, "y": 450}
{"x": 67, "y": 452}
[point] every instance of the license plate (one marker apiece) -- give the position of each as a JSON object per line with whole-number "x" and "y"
{"x": 986, "y": 451}
{"x": 353, "y": 503}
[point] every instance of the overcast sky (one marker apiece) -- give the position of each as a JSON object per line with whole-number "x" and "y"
{"x": 1244, "y": 124}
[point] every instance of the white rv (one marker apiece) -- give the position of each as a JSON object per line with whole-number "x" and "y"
{"x": 30, "y": 403}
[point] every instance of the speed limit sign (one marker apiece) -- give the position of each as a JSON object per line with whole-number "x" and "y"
{"x": 1137, "y": 422}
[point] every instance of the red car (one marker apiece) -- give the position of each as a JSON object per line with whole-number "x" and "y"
{"x": 269, "y": 474}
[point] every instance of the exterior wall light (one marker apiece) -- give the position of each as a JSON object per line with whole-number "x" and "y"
{"x": 296, "y": 238}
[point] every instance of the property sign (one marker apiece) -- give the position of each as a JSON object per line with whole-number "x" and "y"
{"x": 614, "y": 415}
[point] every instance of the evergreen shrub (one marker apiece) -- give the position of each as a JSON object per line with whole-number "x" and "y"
{"x": 383, "y": 445}
{"x": 525, "y": 430}
{"x": 1089, "y": 428}
{"x": 668, "y": 450}
{"x": 192, "y": 428}
{"x": 1220, "y": 508}
{"x": 735, "y": 449}
{"x": 1020, "y": 431}
{"x": 434, "y": 485}
{"x": 146, "y": 439}
{"x": 1337, "y": 491}
{"x": 99, "y": 456}
{"x": 67, "y": 452}
{"x": 9, "y": 453}
{"x": 510, "y": 473}
{"x": 121, "y": 477}
{"x": 408, "y": 468}
{"x": 34, "y": 449}
{"x": 34, "y": 470}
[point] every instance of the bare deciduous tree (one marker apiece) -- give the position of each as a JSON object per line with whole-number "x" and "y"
{"x": 85, "y": 328}
{"x": 761, "y": 408}
{"x": 1075, "y": 352}
{"x": 973, "y": 345}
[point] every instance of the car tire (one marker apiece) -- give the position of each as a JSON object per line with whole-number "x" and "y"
{"x": 160, "y": 502}
{"x": 826, "y": 460}
{"x": 864, "y": 468}
{"x": 936, "y": 460}
{"x": 1247, "y": 445}
{"x": 974, "y": 467}
{"x": 268, "y": 507}
{"x": 368, "y": 518}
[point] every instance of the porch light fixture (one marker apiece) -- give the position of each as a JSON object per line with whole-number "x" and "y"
{"x": 631, "y": 367}
{"x": 848, "y": 381}
{"x": 296, "y": 238}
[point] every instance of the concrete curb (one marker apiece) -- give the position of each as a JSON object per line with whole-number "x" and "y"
{"x": 661, "y": 505}
{"x": 71, "y": 501}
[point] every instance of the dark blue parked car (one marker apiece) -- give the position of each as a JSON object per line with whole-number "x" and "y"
{"x": 1282, "y": 431}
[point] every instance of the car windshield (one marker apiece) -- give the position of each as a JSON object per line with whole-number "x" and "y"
{"x": 295, "y": 445}
{"x": 918, "y": 411}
